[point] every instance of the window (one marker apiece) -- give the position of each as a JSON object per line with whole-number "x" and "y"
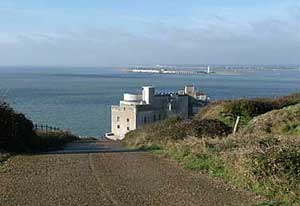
{"x": 128, "y": 128}
{"x": 128, "y": 119}
{"x": 118, "y": 119}
{"x": 118, "y": 126}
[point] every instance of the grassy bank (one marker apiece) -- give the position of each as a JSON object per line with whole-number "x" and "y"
{"x": 18, "y": 136}
{"x": 264, "y": 156}
{"x": 228, "y": 110}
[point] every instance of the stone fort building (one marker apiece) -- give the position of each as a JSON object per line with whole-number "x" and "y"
{"x": 137, "y": 110}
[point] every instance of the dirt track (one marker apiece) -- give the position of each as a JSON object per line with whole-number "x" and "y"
{"x": 109, "y": 176}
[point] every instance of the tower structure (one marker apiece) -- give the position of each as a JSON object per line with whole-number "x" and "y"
{"x": 208, "y": 70}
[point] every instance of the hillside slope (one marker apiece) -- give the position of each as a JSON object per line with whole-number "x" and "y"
{"x": 285, "y": 121}
{"x": 264, "y": 156}
{"x": 228, "y": 110}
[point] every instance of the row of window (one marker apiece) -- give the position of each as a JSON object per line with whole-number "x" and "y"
{"x": 118, "y": 126}
{"x": 118, "y": 119}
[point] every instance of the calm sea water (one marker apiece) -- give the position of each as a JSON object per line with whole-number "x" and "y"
{"x": 80, "y": 99}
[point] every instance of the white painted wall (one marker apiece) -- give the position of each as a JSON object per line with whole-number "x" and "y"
{"x": 148, "y": 94}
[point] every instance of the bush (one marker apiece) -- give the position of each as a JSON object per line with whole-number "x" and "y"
{"x": 175, "y": 129}
{"x": 247, "y": 109}
{"x": 17, "y": 133}
{"x": 278, "y": 161}
{"x": 209, "y": 128}
{"x": 171, "y": 129}
{"x": 45, "y": 141}
{"x": 228, "y": 110}
{"x": 285, "y": 121}
{"x": 160, "y": 132}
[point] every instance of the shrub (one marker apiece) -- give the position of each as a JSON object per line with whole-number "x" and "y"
{"x": 175, "y": 129}
{"x": 281, "y": 161}
{"x": 17, "y": 133}
{"x": 45, "y": 141}
{"x": 285, "y": 121}
{"x": 247, "y": 109}
{"x": 228, "y": 110}
{"x": 168, "y": 130}
{"x": 209, "y": 128}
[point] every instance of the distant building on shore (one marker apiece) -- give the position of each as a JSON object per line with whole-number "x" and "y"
{"x": 208, "y": 70}
{"x": 170, "y": 71}
{"x": 137, "y": 110}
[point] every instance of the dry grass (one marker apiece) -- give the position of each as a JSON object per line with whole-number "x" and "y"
{"x": 228, "y": 110}
{"x": 285, "y": 121}
{"x": 262, "y": 158}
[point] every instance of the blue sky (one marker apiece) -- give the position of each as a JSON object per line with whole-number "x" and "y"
{"x": 128, "y": 32}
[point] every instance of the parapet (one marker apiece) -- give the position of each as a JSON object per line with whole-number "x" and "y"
{"x": 133, "y": 97}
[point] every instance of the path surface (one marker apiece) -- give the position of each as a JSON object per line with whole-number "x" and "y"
{"x": 99, "y": 173}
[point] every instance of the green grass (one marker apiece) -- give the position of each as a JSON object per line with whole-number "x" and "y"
{"x": 278, "y": 192}
{"x": 202, "y": 162}
{"x": 214, "y": 166}
{"x": 207, "y": 163}
{"x": 228, "y": 110}
{"x": 263, "y": 157}
{"x": 273, "y": 203}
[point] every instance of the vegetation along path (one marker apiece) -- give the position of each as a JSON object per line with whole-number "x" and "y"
{"x": 99, "y": 173}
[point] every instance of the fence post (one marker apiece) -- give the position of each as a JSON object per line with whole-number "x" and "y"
{"x": 236, "y": 124}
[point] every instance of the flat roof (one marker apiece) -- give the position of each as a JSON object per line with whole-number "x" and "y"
{"x": 148, "y": 86}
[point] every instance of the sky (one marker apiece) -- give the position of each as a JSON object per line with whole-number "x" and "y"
{"x": 148, "y": 32}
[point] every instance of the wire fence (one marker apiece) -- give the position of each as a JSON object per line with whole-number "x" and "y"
{"x": 47, "y": 128}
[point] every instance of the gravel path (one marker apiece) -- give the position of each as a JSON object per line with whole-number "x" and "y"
{"x": 109, "y": 177}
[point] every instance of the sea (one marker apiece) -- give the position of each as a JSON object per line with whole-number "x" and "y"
{"x": 79, "y": 99}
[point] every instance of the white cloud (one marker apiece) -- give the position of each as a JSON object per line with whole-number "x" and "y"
{"x": 213, "y": 39}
